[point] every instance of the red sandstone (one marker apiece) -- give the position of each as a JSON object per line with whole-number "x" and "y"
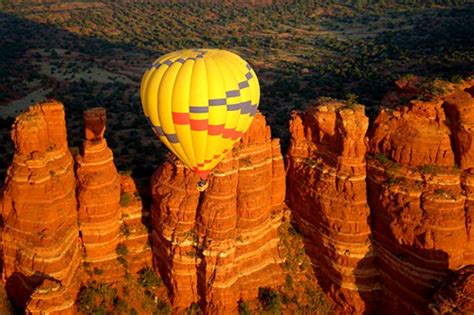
{"x": 218, "y": 247}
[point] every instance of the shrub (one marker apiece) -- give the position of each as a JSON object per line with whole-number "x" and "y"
{"x": 351, "y": 100}
{"x": 317, "y": 301}
{"x": 269, "y": 299}
{"x": 123, "y": 261}
{"x": 74, "y": 151}
{"x": 125, "y": 230}
{"x": 244, "y": 308}
{"x": 125, "y": 199}
{"x": 126, "y": 173}
{"x": 121, "y": 306}
{"x": 456, "y": 79}
{"x": 382, "y": 158}
{"x": 148, "y": 278}
{"x": 121, "y": 249}
{"x": 310, "y": 162}
{"x": 98, "y": 271}
{"x": 194, "y": 309}
{"x": 162, "y": 307}
{"x": 289, "y": 282}
{"x": 96, "y": 298}
{"x": 430, "y": 169}
{"x": 392, "y": 181}
{"x": 245, "y": 161}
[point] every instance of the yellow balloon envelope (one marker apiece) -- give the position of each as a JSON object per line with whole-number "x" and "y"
{"x": 199, "y": 103}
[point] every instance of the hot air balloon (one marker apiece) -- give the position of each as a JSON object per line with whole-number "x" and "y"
{"x": 200, "y": 102}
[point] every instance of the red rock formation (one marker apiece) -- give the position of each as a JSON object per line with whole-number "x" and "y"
{"x": 98, "y": 197}
{"x": 221, "y": 245}
{"x": 41, "y": 252}
{"x": 327, "y": 193}
{"x": 456, "y": 296}
{"x": 110, "y": 211}
{"x": 134, "y": 233}
{"x": 420, "y": 199}
{"x": 459, "y": 107}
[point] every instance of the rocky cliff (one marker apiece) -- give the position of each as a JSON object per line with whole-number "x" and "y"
{"x": 110, "y": 210}
{"x": 401, "y": 240}
{"x": 218, "y": 247}
{"x": 49, "y": 231}
{"x": 41, "y": 252}
{"x": 326, "y": 169}
{"x": 420, "y": 181}
{"x": 98, "y": 196}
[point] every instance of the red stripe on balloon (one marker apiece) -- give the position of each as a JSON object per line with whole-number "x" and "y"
{"x": 199, "y": 124}
{"x": 237, "y": 134}
{"x": 227, "y": 133}
{"x": 203, "y": 174}
{"x": 181, "y": 118}
{"x": 215, "y": 130}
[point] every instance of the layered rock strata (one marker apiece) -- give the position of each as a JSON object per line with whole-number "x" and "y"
{"x": 133, "y": 229}
{"x": 326, "y": 172}
{"x": 420, "y": 191}
{"x": 218, "y": 247}
{"x": 41, "y": 252}
{"x": 112, "y": 219}
{"x": 98, "y": 196}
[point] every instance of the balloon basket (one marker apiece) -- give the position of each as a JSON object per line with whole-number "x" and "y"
{"x": 202, "y": 185}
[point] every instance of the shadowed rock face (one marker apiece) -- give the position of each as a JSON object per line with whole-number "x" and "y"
{"x": 456, "y": 296}
{"x": 40, "y": 235}
{"x": 221, "y": 245}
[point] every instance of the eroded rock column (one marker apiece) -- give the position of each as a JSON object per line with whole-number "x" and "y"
{"x": 326, "y": 172}
{"x": 98, "y": 197}
{"x": 40, "y": 238}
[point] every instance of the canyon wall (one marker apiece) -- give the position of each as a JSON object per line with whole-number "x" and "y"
{"x": 326, "y": 170}
{"x": 420, "y": 188}
{"x": 41, "y": 252}
{"x": 218, "y": 247}
{"x": 418, "y": 174}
